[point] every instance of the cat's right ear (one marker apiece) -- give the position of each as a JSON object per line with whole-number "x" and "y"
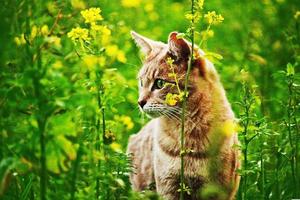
{"x": 144, "y": 43}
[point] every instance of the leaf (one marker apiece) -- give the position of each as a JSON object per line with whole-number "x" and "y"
{"x": 257, "y": 58}
{"x": 53, "y": 162}
{"x": 24, "y": 194}
{"x": 212, "y": 56}
{"x": 6, "y": 165}
{"x": 180, "y": 35}
{"x": 290, "y": 70}
{"x": 67, "y": 147}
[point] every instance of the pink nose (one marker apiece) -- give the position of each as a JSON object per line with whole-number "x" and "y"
{"x": 142, "y": 103}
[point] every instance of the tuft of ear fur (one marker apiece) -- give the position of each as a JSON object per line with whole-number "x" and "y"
{"x": 178, "y": 47}
{"x": 147, "y": 45}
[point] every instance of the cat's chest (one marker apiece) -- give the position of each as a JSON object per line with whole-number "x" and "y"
{"x": 167, "y": 161}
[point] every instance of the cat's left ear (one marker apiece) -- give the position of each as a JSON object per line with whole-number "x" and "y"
{"x": 146, "y": 45}
{"x": 179, "y": 47}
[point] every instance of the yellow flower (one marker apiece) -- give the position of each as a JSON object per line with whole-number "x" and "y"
{"x": 20, "y": 40}
{"x": 34, "y": 32}
{"x": 114, "y": 52}
{"x": 172, "y": 99}
{"x": 91, "y": 15}
{"x": 79, "y": 34}
{"x": 105, "y": 35}
{"x": 78, "y": 4}
{"x": 131, "y": 3}
{"x": 121, "y": 57}
{"x": 149, "y": 7}
{"x": 196, "y": 17}
{"x": 57, "y": 64}
{"x": 54, "y": 40}
{"x": 116, "y": 147}
{"x": 200, "y": 4}
{"x": 207, "y": 34}
{"x": 213, "y": 18}
{"x": 45, "y": 30}
{"x": 90, "y": 61}
{"x": 96, "y": 27}
{"x": 127, "y": 122}
{"x": 105, "y": 30}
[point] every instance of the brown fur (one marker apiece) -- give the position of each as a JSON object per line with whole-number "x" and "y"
{"x": 155, "y": 150}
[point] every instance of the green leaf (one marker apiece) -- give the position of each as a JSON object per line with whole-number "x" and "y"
{"x": 290, "y": 70}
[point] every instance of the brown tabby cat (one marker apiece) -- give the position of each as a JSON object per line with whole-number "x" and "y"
{"x": 212, "y": 160}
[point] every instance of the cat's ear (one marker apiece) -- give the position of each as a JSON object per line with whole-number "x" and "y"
{"x": 144, "y": 43}
{"x": 178, "y": 47}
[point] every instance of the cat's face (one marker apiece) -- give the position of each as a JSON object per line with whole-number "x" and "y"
{"x": 158, "y": 77}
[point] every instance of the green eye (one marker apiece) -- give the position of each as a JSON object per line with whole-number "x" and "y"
{"x": 159, "y": 83}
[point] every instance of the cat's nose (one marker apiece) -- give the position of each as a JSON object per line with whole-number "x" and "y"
{"x": 142, "y": 103}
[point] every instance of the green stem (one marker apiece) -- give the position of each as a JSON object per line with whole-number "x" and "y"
{"x": 41, "y": 120}
{"x": 99, "y": 144}
{"x": 75, "y": 169}
{"x": 289, "y": 126}
{"x": 182, "y": 150}
{"x": 262, "y": 168}
{"x": 247, "y": 103}
{"x": 206, "y": 31}
{"x": 98, "y": 141}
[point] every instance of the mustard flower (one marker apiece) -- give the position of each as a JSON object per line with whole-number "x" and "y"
{"x": 213, "y": 18}
{"x": 45, "y": 30}
{"x": 79, "y": 34}
{"x": 200, "y": 4}
{"x": 172, "y": 99}
{"x": 78, "y": 4}
{"x": 91, "y": 15}
{"x": 20, "y": 40}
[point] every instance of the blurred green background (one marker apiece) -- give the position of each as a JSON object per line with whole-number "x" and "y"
{"x": 67, "y": 111}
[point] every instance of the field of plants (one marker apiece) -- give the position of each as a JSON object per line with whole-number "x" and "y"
{"x": 68, "y": 91}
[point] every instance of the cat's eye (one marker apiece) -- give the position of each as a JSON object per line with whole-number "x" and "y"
{"x": 159, "y": 84}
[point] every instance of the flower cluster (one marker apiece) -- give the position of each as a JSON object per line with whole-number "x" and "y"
{"x": 91, "y": 15}
{"x": 172, "y": 99}
{"x": 78, "y": 33}
{"x": 35, "y": 32}
{"x": 213, "y": 18}
{"x": 200, "y": 4}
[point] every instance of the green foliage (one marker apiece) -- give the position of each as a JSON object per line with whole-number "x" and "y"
{"x": 68, "y": 92}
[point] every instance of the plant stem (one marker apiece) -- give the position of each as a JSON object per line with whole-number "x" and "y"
{"x": 247, "y": 103}
{"x": 262, "y": 167}
{"x": 41, "y": 120}
{"x": 182, "y": 150}
{"x": 289, "y": 126}
{"x": 98, "y": 142}
{"x": 75, "y": 169}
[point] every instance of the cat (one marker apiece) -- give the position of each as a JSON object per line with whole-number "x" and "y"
{"x": 213, "y": 159}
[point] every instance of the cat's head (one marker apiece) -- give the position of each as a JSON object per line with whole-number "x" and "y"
{"x": 157, "y": 80}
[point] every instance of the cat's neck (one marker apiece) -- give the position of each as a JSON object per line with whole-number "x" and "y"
{"x": 200, "y": 120}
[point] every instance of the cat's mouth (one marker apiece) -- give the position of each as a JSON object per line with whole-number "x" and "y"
{"x": 157, "y": 110}
{"x": 152, "y": 111}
